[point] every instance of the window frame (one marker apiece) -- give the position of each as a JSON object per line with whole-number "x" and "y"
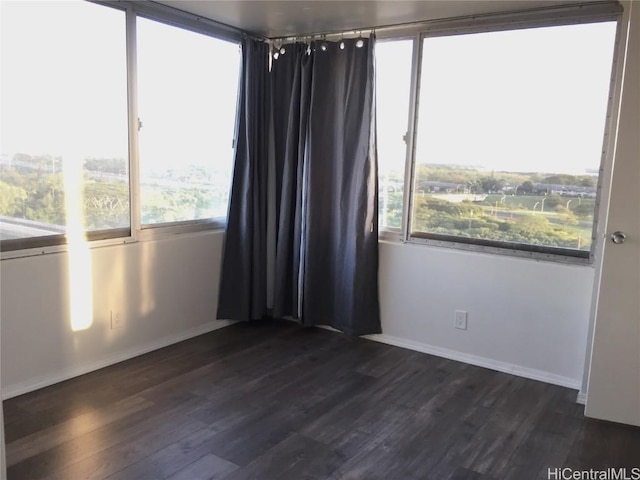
{"x": 526, "y": 19}
{"x": 395, "y": 233}
{"x": 39, "y": 245}
{"x": 197, "y": 25}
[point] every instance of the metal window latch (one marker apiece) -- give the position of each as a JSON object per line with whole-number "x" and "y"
{"x": 404, "y": 138}
{"x": 139, "y": 124}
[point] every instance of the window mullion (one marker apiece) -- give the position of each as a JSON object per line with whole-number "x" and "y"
{"x": 411, "y": 137}
{"x": 132, "y": 94}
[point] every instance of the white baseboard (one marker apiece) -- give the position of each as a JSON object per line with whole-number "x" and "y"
{"x": 30, "y": 385}
{"x": 581, "y": 398}
{"x": 499, "y": 366}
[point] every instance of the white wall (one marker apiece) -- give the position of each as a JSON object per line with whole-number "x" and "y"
{"x": 525, "y": 316}
{"x": 166, "y": 290}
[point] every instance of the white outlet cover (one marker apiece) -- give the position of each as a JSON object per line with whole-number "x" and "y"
{"x": 460, "y": 319}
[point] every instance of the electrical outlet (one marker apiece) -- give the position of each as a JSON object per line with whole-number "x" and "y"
{"x": 116, "y": 320}
{"x": 460, "y": 319}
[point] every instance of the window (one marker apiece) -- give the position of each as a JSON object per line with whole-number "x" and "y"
{"x": 393, "y": 83}
{"x": 507, "y": 138}
{"x": 509, "y": 135}
{"x": 187, "y": 86}
{"x": 69, "y": 90}
{"x": 64, "y": 153}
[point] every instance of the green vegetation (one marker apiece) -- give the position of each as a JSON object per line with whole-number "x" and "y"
{"x": 482, "y": 221}
{"x": 32, "y": 188}
{"x": 35, "y": 193}
{"x": 174, "y": 204}
{"x": 470, "y": 175}
{"x": 455, "y": 201}
{"x": 503, "y": 206}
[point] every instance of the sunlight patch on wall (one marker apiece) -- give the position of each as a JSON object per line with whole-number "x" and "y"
{"x": 80, "y": 271}
{"x": 147, "y": 280}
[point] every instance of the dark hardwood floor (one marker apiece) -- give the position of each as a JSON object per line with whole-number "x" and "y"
{"x": 271, "y": 400}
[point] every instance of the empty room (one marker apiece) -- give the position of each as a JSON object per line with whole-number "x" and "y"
{"x": 321, "y": 240}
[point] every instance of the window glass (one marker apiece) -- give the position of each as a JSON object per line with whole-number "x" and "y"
{"x": 509, "y": 136}
{"x": 187, "y": 89}
{"x": 64, "y": 134}
{"x": 393, "y": 84}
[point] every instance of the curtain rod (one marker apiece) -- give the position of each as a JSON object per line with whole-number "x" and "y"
{"x": 597, "y": 8}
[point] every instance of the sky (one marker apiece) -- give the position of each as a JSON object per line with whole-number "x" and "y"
{"x": 530, "y": 100}
{"x": 522, "y": 100}
{"x": 188, "y": 85}
{"x": 64, "y": 86}
{"x": 54, "y": 54}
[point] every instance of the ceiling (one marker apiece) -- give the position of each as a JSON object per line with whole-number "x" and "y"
{"x": 280, "y": 18}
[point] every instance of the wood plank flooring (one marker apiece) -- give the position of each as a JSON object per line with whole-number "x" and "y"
{"x": 271, "y": 400}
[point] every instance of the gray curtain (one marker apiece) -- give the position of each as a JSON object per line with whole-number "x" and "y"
{"x": 242, "y": 294}
{"x": 322, "y": 177}
{"x": 291, "y": 75}
{"x": 340, "y": 221}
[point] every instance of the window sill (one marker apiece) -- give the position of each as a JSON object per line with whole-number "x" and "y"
{"x": 156, "y": 233}
{"x": 395, "y": 239}
{"x": 63, "y": 247}
{"x": 168, "y": 230}
{"x": 505, "y": 251}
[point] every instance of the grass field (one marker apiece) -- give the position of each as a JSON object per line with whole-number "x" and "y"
{"x": 516, "y": 206}
{"x": 527, "y": 202}
{"x": 576, "y": 220}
